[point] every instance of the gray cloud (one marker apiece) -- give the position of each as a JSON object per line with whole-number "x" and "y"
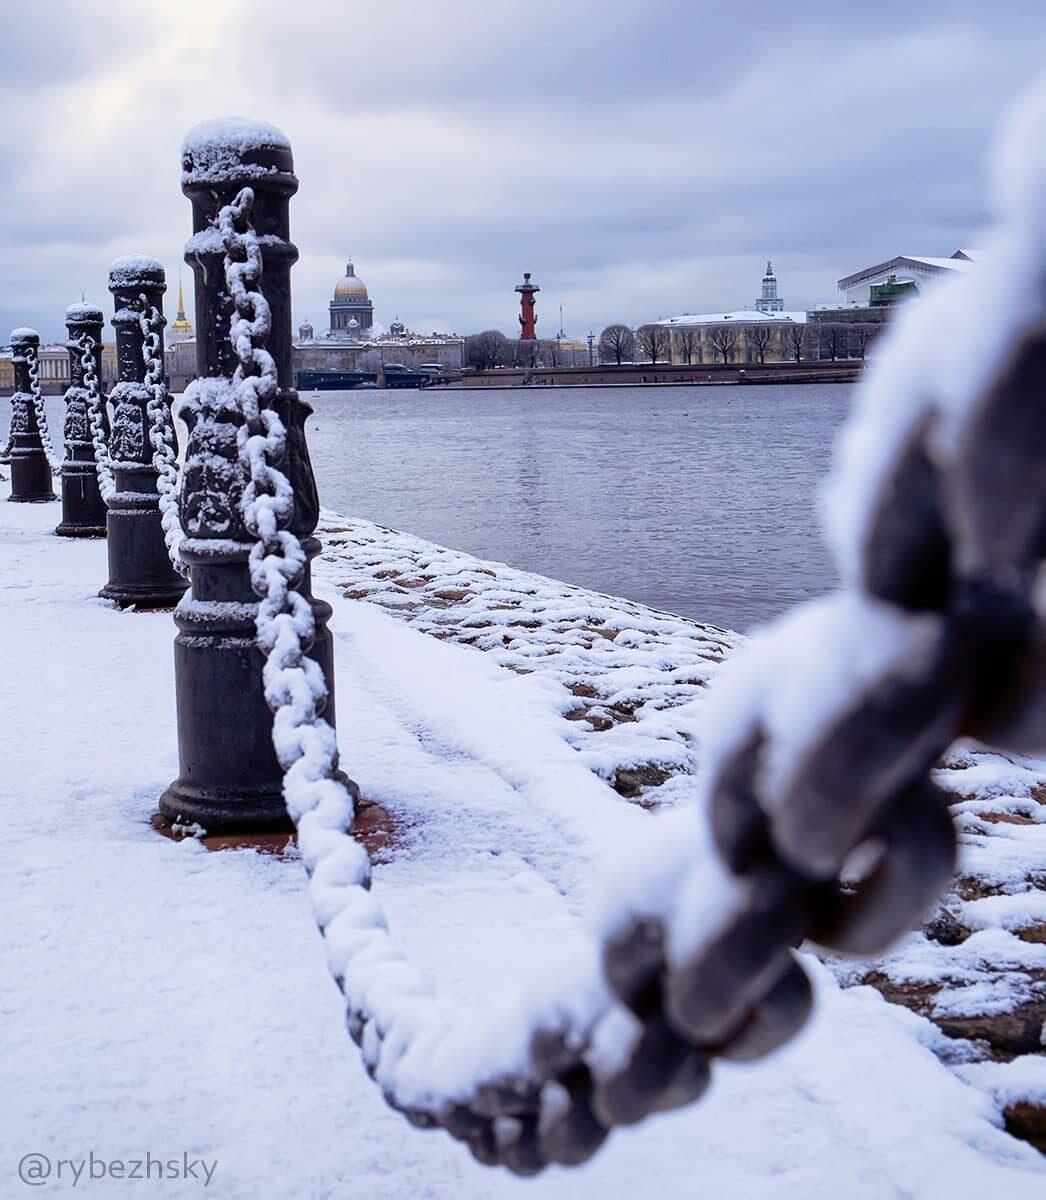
{"x": 639, "y": 162}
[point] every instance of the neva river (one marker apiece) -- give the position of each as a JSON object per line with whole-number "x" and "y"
{"x": 699, "y": 500}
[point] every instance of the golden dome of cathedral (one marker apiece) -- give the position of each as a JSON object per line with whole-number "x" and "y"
{"x": 351, "y": 287}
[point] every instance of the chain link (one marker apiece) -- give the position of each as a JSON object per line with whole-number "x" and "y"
{"x": 40, "y": 410}
{"x": 96, "y": 416}
{"x": 161, "y": 434}
{"x": 933, "y": 650}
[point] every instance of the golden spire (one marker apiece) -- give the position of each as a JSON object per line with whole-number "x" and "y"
{"x": 180, "y": 326}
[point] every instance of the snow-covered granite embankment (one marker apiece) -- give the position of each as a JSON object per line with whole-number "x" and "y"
{"x": 160, "y": 998}
{"x": 630, "y": 682}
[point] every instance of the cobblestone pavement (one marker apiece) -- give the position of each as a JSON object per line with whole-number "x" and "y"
{"x": 629, "y": 682}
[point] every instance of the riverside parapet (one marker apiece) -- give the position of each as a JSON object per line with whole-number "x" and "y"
{"x": 648, "y": 375}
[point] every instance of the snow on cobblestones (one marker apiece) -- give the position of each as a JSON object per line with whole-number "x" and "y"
{"x": 616, "y": 670}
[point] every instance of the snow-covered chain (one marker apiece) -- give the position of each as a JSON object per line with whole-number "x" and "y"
{"x": 96, "y": 416}
{"x": 161, "y": 435}
{"x": 821, "y": 738}
{"x": 55, "y": 463}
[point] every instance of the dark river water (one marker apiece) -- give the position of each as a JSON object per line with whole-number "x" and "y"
{"x": 701, "y": 501}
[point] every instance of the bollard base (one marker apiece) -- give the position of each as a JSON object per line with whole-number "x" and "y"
{"x": 140, "y": 571}
{"x": 31, "y": 479}
{"x": 146, "y": 598}
{"x": 80, "y": 531}
{"x": 83, "y": 509}
{"x": 221, "y": 812}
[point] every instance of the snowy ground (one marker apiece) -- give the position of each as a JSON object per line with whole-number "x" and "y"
{"x": 161, "y": 998}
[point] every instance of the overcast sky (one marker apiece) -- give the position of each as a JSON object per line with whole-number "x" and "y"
{"x": 640, "y": 159}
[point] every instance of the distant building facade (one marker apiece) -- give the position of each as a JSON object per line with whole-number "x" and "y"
{"x": 180, "y": 363}
{"x": 897, "y": 278}
{"x": 400, "y": 346}
{"x": 55, "y": 376}
{"x": 743, "y": 336}
{"x": 771, "y": 333}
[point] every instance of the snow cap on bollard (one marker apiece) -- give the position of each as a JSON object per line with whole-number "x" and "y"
{"x": 234, "y": 149}
{"x": 136, "y": 271}
{"x": 84, "y": 318}
{"x": 23, "y": 336}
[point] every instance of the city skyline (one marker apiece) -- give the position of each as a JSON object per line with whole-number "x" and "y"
{"x": 633, "y": 186}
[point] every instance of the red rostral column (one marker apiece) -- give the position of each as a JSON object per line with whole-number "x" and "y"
{"x": 528, "y": 318}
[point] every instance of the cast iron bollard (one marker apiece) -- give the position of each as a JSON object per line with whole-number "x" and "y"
{"x": 229, "y": 776}
{"x": 83, "y": 509}
{"x": 30, "y": 470}
{"x": 140, "y": 571}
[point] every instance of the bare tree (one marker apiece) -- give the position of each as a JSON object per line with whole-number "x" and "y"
{"x": 687, "y": 340}
{"x": 617, "y": 344}
{"x": 724, "y": 339}
{"x": 863, "y": 336}
{"x": 797, "y": 341}
{"x": 832, "y": 341}
{"x": 483, "y": 350}
{"x": 760, "y": 338}
{"x": 526, "y": 352}
{"x": 653, "y": 341}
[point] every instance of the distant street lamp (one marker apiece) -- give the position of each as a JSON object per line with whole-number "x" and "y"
{"x": 591, "y": 355}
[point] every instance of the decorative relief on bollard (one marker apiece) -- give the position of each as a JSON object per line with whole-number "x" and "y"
{"x": 140, "y": 570}
{"x": 83, "y": 509}
{"x": 229, "y": 775}
{"x": 30, "y": 470}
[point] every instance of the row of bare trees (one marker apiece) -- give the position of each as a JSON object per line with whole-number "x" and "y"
{"x": 822, "y": 340}
{"x": 618, "y": 344}
{"x": 491, "y": 348}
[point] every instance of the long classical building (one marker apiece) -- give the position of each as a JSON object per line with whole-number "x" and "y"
{"x": 55, "y": 374}
{"x": 768, "y": 332}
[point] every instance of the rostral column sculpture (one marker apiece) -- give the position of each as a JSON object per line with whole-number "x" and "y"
{"x": 528, "y": 317}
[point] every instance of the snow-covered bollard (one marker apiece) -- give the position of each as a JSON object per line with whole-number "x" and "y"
{"x": 229, "y": 775}
{"x": 140, "y": 570}
{"x": 30, "y": 470}
{"x": 83, "y": 509}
